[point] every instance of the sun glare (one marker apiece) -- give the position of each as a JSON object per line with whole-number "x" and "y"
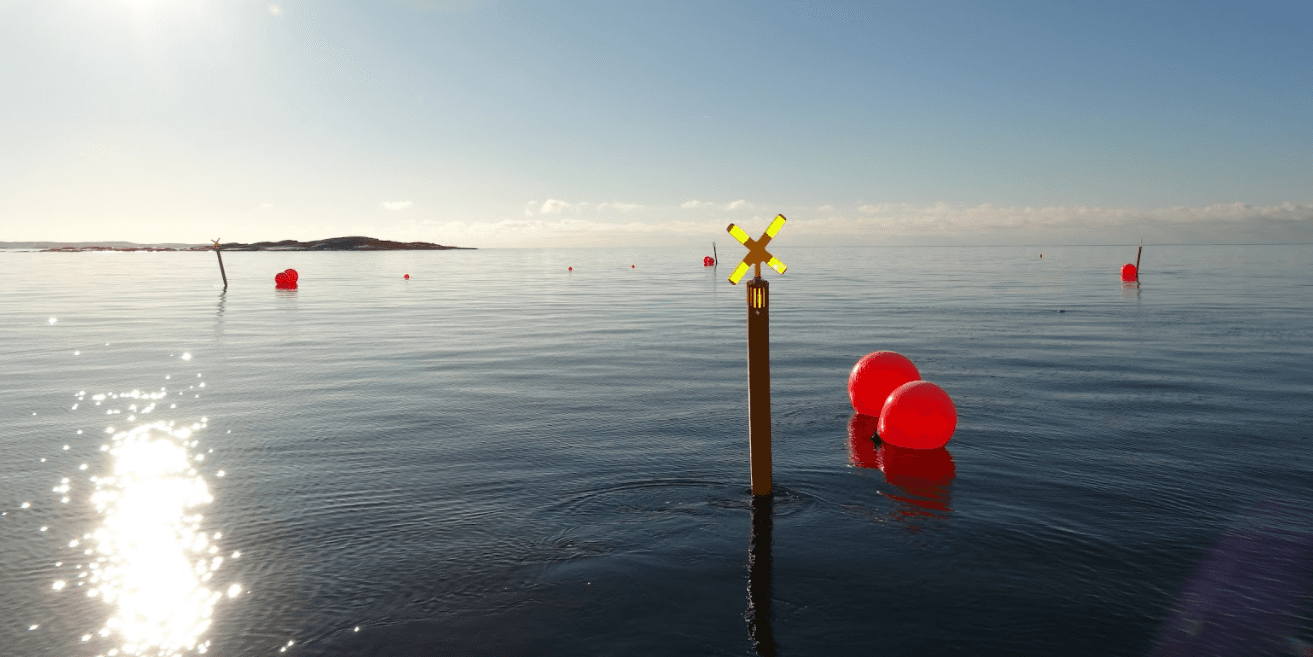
{"x": 151, "y": 560}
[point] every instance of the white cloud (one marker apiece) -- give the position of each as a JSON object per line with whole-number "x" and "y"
{"x": 553, "y": 206}
{"x": 695, "y": 204}
{"x": 575, "y": 225}
{"x": 396, "y": 205}
{"x": 736, "y": 204}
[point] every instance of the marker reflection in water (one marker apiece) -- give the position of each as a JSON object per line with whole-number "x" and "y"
{"x": 149, "y": 558}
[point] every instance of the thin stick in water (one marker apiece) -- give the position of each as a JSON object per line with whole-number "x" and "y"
{"x": 222, "y": 273}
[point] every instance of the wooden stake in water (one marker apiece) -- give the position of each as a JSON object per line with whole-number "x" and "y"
{"x": 715, "y": 257}
{"x": 759, "y": 456}
{"x": 222, "y": 273}
{"x": 1137, "y": 258}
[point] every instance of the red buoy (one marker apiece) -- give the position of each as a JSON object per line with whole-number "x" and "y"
{"x": 286, "y": 280}
{"x": 875, "y": 376}
{"x": 708, "y": 261}
{"x": 631, "y": 266}
{"x": 570, "y": 268}
{"x": 1129, "y": 272}
{"x": 292, "y": 276}
{"x": 407, "y": 276}
{"x": 919, "y": 415}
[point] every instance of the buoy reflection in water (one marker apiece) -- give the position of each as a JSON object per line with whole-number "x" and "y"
{"x": 150, "y": 559}
{"x": 922, "y": 478}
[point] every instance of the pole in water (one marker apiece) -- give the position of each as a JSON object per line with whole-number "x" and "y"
{"x": 222, "y": 273}
{"x": 759, "y": 578}
{"x": 759, "y": 384}
{"x": 1137, "y": 258}
{"x": 715, "y": 258}
{"x": 759, "y": 453}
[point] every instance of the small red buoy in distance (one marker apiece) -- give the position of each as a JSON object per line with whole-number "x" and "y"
{"x": 919, "y": 415}
{"x": 631, "y": 266}
{"x": 407, "y": 276}
{"x": 570, "y": 268}
{"x": 286, "y": 279}
{"x": 875, "y": 376}
{"x": 1129, "y": 272}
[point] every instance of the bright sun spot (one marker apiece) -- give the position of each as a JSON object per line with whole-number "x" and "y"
{"x": 151, "y": 562}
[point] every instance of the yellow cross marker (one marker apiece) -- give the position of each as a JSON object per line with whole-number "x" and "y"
{"x": 757, "y": 252}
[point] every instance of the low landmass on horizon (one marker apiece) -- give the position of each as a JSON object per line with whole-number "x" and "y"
{"x": 354, "y": 243}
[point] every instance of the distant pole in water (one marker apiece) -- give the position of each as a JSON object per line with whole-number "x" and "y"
{"x": 715, "y": 258}
{"x": 222, "y": 273}
{"x": 1137, "y": 257}
{"x": 759, "y": 458}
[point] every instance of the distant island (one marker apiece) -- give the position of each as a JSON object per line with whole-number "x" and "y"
{"x": 332, "y": 244}
{"x": 354, "y": 243}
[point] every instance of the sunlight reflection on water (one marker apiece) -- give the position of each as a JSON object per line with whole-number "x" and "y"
{"x": 149, "y": 557}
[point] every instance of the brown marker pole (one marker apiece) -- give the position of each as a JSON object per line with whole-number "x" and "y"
{"x": 222, "y": 273}
{"x": 1137, "y": 258}
{"x": 759, "y": 464}
{"x": 759, "y": 383}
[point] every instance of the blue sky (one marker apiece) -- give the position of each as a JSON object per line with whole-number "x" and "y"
{"x": 590, "y": 124}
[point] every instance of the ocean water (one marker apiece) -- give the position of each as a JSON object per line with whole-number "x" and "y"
{"x": 502, "y": 457}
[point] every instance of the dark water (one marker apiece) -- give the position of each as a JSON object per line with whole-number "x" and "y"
{"x": 498, "y": 457}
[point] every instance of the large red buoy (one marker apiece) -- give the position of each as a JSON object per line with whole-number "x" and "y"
{"x": 919, "y": 415}
{"x": 875, "y": 376}
{"x": 1129, "y": 273}
{"x": 292, "y": 276}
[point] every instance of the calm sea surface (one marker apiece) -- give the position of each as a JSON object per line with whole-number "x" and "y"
{"x": 501, "y": 457}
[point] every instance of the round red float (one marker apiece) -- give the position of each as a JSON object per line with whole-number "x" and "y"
{"x": 570, "y": 268}
{"x": 292, "y": 276}
{"x": 407, "y": 276}
{"x": 283, "y": 282}
{"x": 919, "y": 415}
{"x": 875, "y": 376}
{"x": 1129, "y": 273}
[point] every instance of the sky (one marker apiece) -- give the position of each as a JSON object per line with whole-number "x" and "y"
{"x": 522, "y": 124}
